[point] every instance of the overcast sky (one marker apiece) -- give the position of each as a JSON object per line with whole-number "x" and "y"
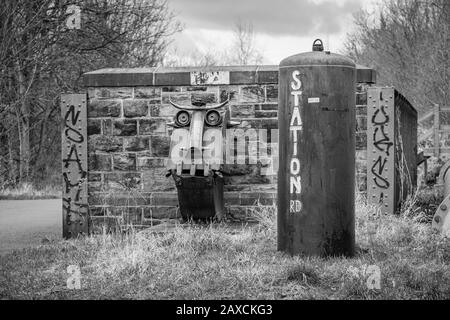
{"x": 282, "y": 27}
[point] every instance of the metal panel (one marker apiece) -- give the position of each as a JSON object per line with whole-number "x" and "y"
{"x": 405, "y": 149}
{"x": 380, "y": 148}
{"x": 74, "y": 165}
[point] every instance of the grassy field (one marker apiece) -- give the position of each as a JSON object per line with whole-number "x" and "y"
{"x": 27, "y": 191}
{"x": 219, "y": 262}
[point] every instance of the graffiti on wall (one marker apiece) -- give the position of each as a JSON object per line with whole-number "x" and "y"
{"x": 74, "y": 165}
{"x": 210, "y": 77}
{"x": 380, "y": 139}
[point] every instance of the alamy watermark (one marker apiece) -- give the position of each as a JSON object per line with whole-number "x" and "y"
{"x": 371, "y": 274}
{"x": 236, "y": 146}
{"x": 74, "y": 280}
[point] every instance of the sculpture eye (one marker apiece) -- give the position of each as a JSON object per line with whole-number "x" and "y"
{"x": 213, "y": 118}
{"x": 182, "y": 118}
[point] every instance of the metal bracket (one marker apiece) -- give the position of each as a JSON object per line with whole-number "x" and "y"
{"x": 74, "y": 165}
{"x": 441, "y": 219}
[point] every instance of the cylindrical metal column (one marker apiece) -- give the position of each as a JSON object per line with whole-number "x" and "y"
{"x": 316, "y": 178}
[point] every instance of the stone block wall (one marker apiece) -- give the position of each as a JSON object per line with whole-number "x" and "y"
{"x": 128, "y": 137}
{"x": 361, "y": 137}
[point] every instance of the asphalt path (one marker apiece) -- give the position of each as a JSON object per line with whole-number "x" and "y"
{"x": 25, "y": 223}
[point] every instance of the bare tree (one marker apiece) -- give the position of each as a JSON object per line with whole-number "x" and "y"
{"x": 244, "y": 51}
{"x": 40, "y": 58}
{"x": 408, "y": 43}
{"x": 193, "y": 58}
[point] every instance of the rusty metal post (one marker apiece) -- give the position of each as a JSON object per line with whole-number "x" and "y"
{"x": 380, "y": 148}
{"x": 391, "y": 149}
{"x": 316, "y": 177}
{"x": 74, "y": 165}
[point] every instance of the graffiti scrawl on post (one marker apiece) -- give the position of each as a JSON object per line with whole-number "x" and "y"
{"x": 74, "y": 165}
{"x": 380, "y": 147}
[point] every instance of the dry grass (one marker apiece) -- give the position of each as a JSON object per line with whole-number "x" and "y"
{"x": 217, "y": 262}
{"x": 27, "y": 191}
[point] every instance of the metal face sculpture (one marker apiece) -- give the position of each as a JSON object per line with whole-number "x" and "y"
{"x": 196, "y": 158}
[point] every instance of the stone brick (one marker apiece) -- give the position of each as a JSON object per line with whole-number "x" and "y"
{"x": 113, "y": 93}
{"x": 164, "y": 199}
{"x": 272, "y": 93}
{"x": 361, "y": 98}
{"x": 161, "y": 212}
{"x": 120, "y": 197}
{"x": 104, "y": 143}
{"x": 247, "y": 179}
{"x": 135, "y": 108}
{"x": 232, "y": 198}
{"x": 152, "y": 126}
{"x": 268, "y": 107}
{"x": 94, "y": 187}
{"x": 103, "y": 108}
{"x": 107, "y": 127}
{"x": 259, "y": 123}
{"x": 132, "y": 216}
{"x": 257, "y": 198}
{"x": 125, "y": 128}
{"x": 172, "y": 89}
{"x": 95, "y": 199}
{"x": 361, "y": 182}
{"x": 361, "y": 141}
{"x": 240, "y": 169}
{"x": 93, "y": 126}
{"x": 94, "y": 177}
{"x": 136, "y": 143}
{"x": 123, "y": 181}
{"x": 361, "y": 110}
{"x": 252, "y": 94}
{"x": 242, "y": 110}
{"x": 236, "y": 212}
{"x": 100, "y": 225}
{"x": 254, "y": 211}
{"x": 162, "y": 110}
{"x": 231, "y": 92}
{"x": 124, "y": 161}
{"x": 270, "y": 186}
{"x": 179, "y": 98}
{"x": 266, "y": 114}
{"x": 145, "y": 162}
{"x": 160, "y": 146}
{"x": 147, "y": 93}
{"x": 99, "y": 162}
{"x": 155, "y": 179}
{"x": 97, "y": 211}
{"x": 117, "y": 211}
{"x": 203, "y": 98}
{"x": 361, "y": 166}
{"x": 361, "y": 123}
{"x": 197, "y": 88}
{"x": 361, "y": 155}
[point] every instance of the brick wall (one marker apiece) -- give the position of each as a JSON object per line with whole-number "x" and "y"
{"x": 128, "y": 137}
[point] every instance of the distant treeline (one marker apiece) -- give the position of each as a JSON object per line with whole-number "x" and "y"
{"x": 408, "y": 43}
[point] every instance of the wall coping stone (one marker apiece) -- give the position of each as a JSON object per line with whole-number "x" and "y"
{"x": 182, "y": 76}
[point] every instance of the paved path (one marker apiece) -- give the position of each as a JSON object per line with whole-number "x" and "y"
{"x": 25, "y": 223}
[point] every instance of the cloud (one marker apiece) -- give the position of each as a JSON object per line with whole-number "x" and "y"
{"x": 273, "y": 17}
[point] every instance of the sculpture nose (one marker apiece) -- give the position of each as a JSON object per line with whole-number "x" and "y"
{"x": 196, "y": 130}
